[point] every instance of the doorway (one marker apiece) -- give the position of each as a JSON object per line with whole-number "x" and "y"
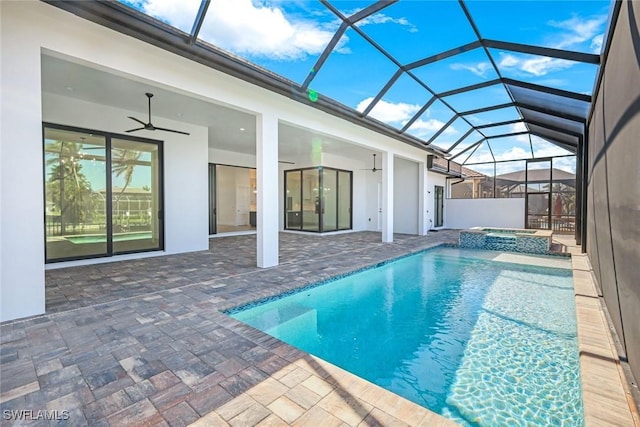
{"x": 438, "y": 200}
{"x": 232, "y": 199}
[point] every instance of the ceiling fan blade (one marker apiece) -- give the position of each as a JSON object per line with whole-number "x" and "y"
{"x": 133, "y": 130}
{"x": 171, "y": 130}
{"x": 287, "y": 162}
{"x": 137, "y": 120}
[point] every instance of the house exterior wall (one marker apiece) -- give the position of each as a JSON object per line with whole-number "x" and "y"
{"x": 21, "y": 219}
{"x": 613, "y": 189}
{"x": 467, "y": 213}
{"x": 29, "y": 29}
{"x": 224, "y": 157}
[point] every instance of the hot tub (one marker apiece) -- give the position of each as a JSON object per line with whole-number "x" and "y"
{"x": 507, "y": 239}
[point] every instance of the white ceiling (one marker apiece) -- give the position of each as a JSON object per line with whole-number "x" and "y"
{"x": 90, "y": 84}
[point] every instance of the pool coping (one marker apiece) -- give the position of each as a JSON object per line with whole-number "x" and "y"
{"x": 607, "y": 399}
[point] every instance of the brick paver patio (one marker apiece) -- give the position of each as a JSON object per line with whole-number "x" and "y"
{"x": 144, "y": 342}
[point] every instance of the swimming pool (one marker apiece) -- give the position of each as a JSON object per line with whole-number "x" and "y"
{"x": 481, "y": 337}
{"x": 101, "y": 238}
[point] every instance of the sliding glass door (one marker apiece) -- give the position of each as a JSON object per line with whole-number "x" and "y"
{"x": 318, "y": 199}
{"x": 103, "y": 194}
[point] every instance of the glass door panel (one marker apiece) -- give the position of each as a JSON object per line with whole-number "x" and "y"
{"x": 329, "y": 200}
{"x": 253, "y": 199}
{"x": 311, "y": 200}
{"x": 293, "y": 200}
{"x": 135, "y": 196}
{"x": 212, "y": 199}
{"x": 438, "y": 201}
{"x": 75, "y": 188}
{"x": 538, "y": 211}
{"x": 563, "y": 211}
{"x": 538, "y": 192}
{"x": 344, "y": 200}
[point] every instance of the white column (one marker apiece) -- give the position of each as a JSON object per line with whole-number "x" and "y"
{"x": 423, "y": 221}
{"x": 387, "y": 196}
{"x": 22, "y": 291}
{"x": 267, "y": 187}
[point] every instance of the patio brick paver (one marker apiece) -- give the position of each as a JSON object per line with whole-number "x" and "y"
{"x": 144, "y": 342}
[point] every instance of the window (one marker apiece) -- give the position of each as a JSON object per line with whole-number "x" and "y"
{"x": 318, "y": 199}
{"x": 103, "y": 194}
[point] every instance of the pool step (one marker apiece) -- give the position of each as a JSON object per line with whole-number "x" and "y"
{"x": 500, "y": 240}
{"x": 289, "y": 321}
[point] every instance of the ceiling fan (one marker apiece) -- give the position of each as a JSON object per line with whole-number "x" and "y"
{"x": 148, "y": 125}
{"x": 374, "y": 169}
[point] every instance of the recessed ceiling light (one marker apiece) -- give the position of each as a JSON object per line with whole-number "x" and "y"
{"x": 241, "y": 129}
{"x": 179, "y": 114}
{"x": 69, "y": 88}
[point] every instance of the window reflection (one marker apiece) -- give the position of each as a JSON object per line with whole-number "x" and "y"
{"x": 85, "y": 216}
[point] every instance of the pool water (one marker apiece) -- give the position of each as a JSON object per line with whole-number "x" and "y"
{"x": 101, "y": 238}
{"x": 480, "y": 337}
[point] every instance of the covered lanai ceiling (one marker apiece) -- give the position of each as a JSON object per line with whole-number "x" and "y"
{"x": 468, "y": 80}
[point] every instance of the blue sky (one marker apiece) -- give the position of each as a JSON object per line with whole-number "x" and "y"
{"x": 287, "y": 37}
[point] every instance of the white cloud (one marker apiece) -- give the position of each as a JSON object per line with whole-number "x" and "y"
{"x": 178, "y": 14}
{"x": 520, "y": 127}
{"x": 537, "y": 66}
{"x": 508, "y": 60}
{"x": 389, "y": 112}
{"x": 513, "y": 153}
{"x": 425, "y": 129}
{"x": 578, "y": 30}
{"x": 596, "y": 43}
{"x": 245, "y": 28}
{"x": 381, "y": 18}
{"x": 574, "y": 33}
{"x": 479, "y": 69}
{"x": 433, "y": 125}
{"x": 567, "y": 164}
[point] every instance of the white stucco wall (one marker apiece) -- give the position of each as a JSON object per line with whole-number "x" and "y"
{"x": 467, "y": 213}
{"x": 224, "y": 157}
{"x": 21, "y": 248}
{"x": 406, "y": 196}
{"x": 373, "y": 186}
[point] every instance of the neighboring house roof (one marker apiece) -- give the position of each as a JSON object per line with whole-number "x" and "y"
{"x": 470, "y": 173}
{"x": 452, "y": 168}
